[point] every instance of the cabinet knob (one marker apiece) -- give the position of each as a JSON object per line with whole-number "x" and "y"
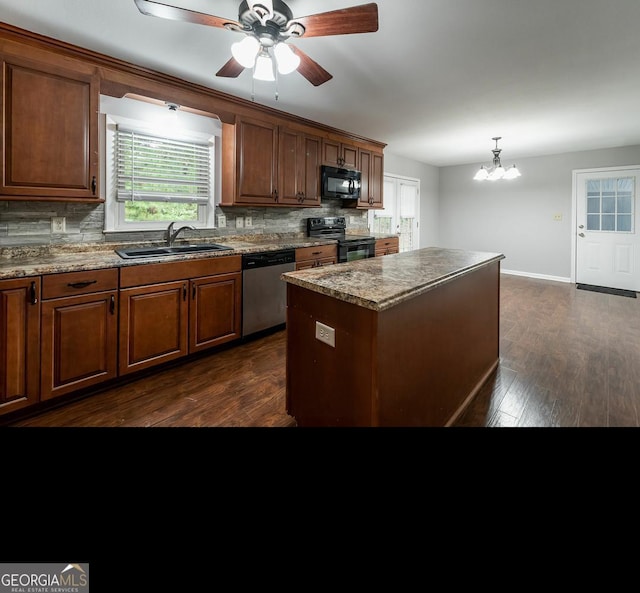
{"x": 94, "y": 185}
{"x": 33, "y": 294}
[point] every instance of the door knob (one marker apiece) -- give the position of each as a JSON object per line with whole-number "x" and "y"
{"x": 581, "y": 226}
{"x": 580, "y": 234}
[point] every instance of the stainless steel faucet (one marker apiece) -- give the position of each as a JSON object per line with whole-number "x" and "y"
{"x": 171, "y": 234}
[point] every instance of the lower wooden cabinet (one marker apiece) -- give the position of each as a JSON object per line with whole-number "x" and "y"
{"x": 387, "y": 246}
{"x": 79, "y": 333}
{"x": 162, "y": 321}
{"x": 19, "y": 343}
{"x": 60, "y": 333}
{"x": 314, "y": 257}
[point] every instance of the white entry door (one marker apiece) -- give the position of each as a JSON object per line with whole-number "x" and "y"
{"x": 607, "y": 234}
{"x": 401, "y": 213}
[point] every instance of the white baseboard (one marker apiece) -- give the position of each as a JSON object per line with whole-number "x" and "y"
{"x": 539, "y": 276}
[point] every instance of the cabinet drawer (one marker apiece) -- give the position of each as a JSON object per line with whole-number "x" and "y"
{"x": 318, "y": 252}
{"x": 73, "y": 283}
{"x": 387, "y": 246}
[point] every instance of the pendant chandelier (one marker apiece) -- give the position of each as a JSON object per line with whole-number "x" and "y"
{"x": 497, "y": 171}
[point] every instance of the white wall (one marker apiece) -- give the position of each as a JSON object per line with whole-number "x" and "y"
{"x": 516, "y": 217}
{"x": 428, "y": 176}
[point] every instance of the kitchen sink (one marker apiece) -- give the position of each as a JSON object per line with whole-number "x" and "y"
{"x": 165, "y": 250}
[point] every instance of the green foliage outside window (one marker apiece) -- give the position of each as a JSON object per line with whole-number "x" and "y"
{"x": 160, "y": 211}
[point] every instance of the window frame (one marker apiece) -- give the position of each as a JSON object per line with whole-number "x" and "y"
{"x": 152, "y": 119}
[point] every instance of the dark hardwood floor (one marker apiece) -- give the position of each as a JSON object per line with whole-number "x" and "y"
{"x": 569, "y": 358}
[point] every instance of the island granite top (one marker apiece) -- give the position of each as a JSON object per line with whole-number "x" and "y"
{"x": 379, "y": 283}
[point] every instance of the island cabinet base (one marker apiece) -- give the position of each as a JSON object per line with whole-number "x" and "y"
{"x": 418, "y": 363}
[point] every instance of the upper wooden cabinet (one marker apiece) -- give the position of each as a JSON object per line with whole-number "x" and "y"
{"x": 265, "y": 164}
{"x": 50, "y": 131}
{"x": 339, "y": 154}
{"x": 372, "y": 183}
{"x": 249, "y": 163}
{"x": 299, "y": 167}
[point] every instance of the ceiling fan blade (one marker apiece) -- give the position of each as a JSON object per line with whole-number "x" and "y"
{"x": 357, "y": 19}
{"x": 310, "y": 69}
{"x": 174, "y": 13}
{"x": 232, "y": 69}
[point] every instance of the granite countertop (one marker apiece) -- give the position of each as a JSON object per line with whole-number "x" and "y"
{"x": 379, "y": 283}
{"x": 20, "y": 262}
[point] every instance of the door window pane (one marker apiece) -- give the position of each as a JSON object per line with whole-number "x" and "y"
{"x": 610, "y": 204}
{"x": 624, "y": 223}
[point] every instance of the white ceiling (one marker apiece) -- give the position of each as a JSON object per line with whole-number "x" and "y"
{"x": 437, "y": 81}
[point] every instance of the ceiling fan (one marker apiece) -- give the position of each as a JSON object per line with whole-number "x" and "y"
{"x": 267, "y": 26}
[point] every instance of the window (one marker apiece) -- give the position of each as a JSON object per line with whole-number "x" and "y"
{"x": 610, "y": 204}
{"x": 158, "y": 170}
{"x": 401, "y": 211}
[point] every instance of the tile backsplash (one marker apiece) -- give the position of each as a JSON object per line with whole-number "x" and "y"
{"x": 29, "y": 223}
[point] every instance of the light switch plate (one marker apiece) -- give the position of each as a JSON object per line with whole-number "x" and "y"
{"x": 326, "y": 334}
{"x": 222, "y": 221}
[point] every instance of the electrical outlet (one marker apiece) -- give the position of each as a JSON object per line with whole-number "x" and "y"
{"x": 222, "y": 221}
{"x": 248, "y": 222}
{"x": 239, "y": 222}
{"x": 557, "y": 216}
{"x": 326, "y": 334}
{"x": 58, "y": 224}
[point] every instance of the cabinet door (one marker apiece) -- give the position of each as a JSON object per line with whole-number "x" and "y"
{"x": 19, "y": 343}
{"x": 339, "y": 154}
{"x": 310, "y": 147}
{"x": 79, "y": 342}
{"x": 365, "y": 170}
{"x": 372, "y": 170}
{"x": 153, "y": 325}
{"x": 289, "y": 165}
{"x": 257, "y": 146}
{"x": 215, "y": 310}
{"x": 50, "y": 129}
{"x": 299, "y": 168}
{"x": 376, "y": 180}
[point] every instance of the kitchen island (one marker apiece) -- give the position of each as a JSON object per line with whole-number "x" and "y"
{"x": 401, "y": 340}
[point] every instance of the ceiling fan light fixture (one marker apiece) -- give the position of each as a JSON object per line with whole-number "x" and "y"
{"x": 263, "y": 69}
{"x": 497, "y": 171}
{"x": 245, "y": 51}
{"x": 286, "y": 58}
{"x": 263, "y": 8}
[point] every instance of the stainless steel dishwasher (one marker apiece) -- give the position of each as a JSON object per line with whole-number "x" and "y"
{"x": 264, "y": 294}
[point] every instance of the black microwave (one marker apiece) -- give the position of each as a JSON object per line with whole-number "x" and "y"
{"x": 340, "y": 183}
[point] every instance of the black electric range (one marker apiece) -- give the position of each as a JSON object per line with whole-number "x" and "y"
{"x": 350, "y": 246}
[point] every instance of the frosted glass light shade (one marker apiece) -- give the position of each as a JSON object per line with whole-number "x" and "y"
{"x": 245, "y": 51}
{"x": 498, "y": 173}
{"x": 482, "y": 174}
{"x": 512, "y": 173}
{"x": 264, "y": 68}
{"x": 286, "y": 59}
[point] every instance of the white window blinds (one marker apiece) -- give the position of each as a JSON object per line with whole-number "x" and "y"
{"x": 156, "y": 169}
